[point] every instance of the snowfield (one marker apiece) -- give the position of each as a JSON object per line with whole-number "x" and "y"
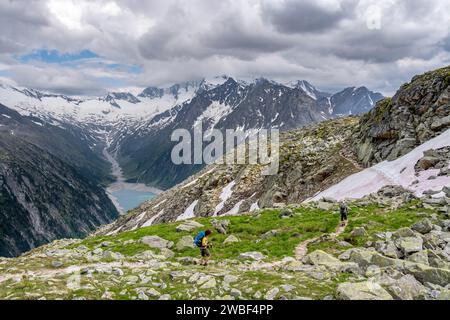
{"x": 224, "y": 196}
{"x": 398, "y": 172}
{"x": 93, "y": 110}
{"x": 188, "y": 213}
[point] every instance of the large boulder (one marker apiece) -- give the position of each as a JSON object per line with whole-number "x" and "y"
{"x": 221, "y": 226}
{"x": 362, "y": 291}
{"x": 426, "y": 163}
{"x": 254, "y": 255}
{"x": 321, "y": 258}
{"x": 402, "y": 233}
{"x": 186, "y": 242}
{"x": 419, "y": 257}
{"x": 409, "y": 245}
{"x": 425, "y": 274}
{"x": 362, "y": 257}
{"x": 382, "y": 262}
{"x": 156, "y": 242}
{"x": 189, "y": 226}
{"x": 325, "y": 206}
{"x": 388, "y": 248}
{"x": 423, "y": 226}
{"x": 407, "y": 288}
{"x": 231, "y": 239}
{"x": 358, "y": 232}
{"x": 439, "y": 123}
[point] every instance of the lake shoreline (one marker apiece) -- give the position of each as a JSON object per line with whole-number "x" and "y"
{"x": 121, "y": 185}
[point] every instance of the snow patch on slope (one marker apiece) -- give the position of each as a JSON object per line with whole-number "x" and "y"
{"x": 398, "y": 172}
{"x": 188, "y": 213}
{"x": 224, "y": 196}
{"x": 235, "y": 210}
{"x": 150, "y": 221}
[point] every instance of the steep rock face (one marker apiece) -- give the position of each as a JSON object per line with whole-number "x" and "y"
{"x": 50, "y": 185}
{"x": 420, "y": 110}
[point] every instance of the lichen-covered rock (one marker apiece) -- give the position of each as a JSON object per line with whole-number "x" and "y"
{"x": 362, "y": 291}
{"x": 423, "y": 226}
{"x": 231, "y": 239}
{"x": 186, "y": 242}
{"x": 409, "y": 245}
{"x": 221, "y": 226}
{"x": 189, "y": 226}
{"x": 254, "y": 255}
{"x": 425, "y": 274}
{"x": 407, "y": 288}
{"x": 321, "y": 258}
{"x": 156, "y": 242}
{"x": 358, "y": 232}
{"x": 419, "y": 257}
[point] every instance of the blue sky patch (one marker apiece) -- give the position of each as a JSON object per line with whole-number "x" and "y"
{"x": 124, "y": 68}
{"x": 84, "y": 61}
{"x": 54, "y": 56}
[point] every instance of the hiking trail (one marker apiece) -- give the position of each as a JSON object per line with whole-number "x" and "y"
{"x": 351, "y": 160}
{"x": 302, "y": 249}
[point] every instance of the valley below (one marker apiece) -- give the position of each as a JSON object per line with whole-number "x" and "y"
{"x": 126, "y": 195}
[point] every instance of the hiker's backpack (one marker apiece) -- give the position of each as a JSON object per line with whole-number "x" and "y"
{"x": 198, "y": 238}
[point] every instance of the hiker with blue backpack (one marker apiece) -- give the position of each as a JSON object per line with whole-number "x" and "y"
{"x": 201, "y": 241}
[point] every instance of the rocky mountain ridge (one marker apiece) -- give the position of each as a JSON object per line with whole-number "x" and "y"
{"x": 419, "y": 111}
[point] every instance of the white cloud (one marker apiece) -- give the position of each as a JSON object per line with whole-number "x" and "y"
{"x": 332, "y": 43}
{"x": 67, "y": 12}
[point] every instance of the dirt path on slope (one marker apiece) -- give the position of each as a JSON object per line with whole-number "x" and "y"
{"x": 351, "y": 160}
{"x": 302, "y": 249}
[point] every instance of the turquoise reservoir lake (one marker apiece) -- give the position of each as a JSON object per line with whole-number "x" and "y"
{"x": 129, "y": 199}
{"x": 125, "y": 195}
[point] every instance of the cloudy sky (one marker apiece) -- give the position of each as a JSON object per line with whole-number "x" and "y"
{"x": 87, "y": 47}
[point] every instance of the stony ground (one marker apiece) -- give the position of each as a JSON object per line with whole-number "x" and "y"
{"x": 394, "y": 247}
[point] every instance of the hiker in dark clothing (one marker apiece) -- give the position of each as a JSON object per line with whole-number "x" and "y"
{"x": 344, "y": 212}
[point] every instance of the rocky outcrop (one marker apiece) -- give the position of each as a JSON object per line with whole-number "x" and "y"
{"x": 362, "y": 291}
{"x": 435, "y": 159}
{"x": 419, "y": 111}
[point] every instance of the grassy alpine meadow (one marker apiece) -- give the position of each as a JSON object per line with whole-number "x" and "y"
{"x": 80, "y": 269}
{"x": 303, "y": 225}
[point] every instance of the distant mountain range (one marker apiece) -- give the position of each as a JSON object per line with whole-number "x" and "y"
{"x": 137, "y": 128}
